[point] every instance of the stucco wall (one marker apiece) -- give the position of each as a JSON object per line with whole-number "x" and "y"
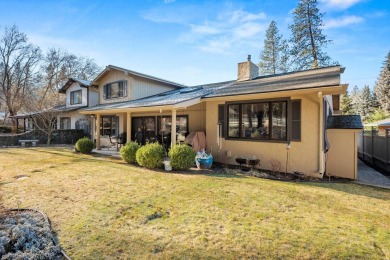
{"x": 342, "y": 155}
{"x": 74, "y": 116}
{"x": 304, "y": 155}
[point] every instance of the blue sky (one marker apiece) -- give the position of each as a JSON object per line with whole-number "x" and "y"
{"x": 196, "y": 42}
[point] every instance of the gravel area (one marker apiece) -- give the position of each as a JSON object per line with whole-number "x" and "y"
{"x": 27, "y": 235}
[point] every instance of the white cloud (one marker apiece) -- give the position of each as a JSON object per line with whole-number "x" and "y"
{"x": 343, "y": 21}
{"x": 340, "y": 4}
{"x": 204, "y": 29}
{"x": 168, "y": 1}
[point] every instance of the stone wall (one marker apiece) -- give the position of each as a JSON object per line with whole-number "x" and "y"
{"x": 58, "y": 137}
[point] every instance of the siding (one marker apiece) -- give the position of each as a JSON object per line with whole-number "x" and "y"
{"x": 137, "y": 87}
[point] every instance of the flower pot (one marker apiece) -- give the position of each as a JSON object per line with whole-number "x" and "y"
{"x": 205, "y": 163}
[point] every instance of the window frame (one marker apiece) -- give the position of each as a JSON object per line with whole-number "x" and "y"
{"x": 68, "y": 123}
{"x": 159, "y": 123}
{"x": 287, "y": 100}
{"x": 107, "y": 90}
{"x": 72, "y": 97}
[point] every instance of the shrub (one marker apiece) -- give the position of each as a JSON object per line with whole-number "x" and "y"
{"x": 5, "y": 129}
{"x": 128, "y": 152}
{"x": 151, "y": 155}
{"x": 84, "y": 145}
{"x": 182, "y": 157}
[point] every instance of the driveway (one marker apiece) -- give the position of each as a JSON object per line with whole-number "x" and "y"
{"x": 369, "y": 176}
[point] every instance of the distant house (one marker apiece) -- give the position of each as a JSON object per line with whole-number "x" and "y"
{"x": 381, "y": 125}
{"x": 252, "y": 116}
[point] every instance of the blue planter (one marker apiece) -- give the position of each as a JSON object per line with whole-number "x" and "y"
{"x": 205, "y": 163}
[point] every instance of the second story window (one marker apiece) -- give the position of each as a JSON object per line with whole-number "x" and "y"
{"x": 75, "y": 97}
{"x": 115, "y": 90}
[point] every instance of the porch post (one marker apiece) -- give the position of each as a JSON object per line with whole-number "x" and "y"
{"x": 321, "y": 134}
{"x": 173, "y": 128}
{"x": 128, "y": 127}
{"x": 97, "y": 132}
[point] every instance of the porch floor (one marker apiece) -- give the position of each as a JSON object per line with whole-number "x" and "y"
{"x": 112, "y": 151}
{"x": 371, "y": 177}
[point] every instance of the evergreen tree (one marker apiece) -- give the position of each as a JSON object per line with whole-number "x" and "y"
{"x": 346, "y": 104}
{"x": 364, "y": 104}
{"x": 307, "y": 39}
{"x": 382, "y": 86}
{"x": 355, "y": 93}
{"x": 274, "y": 57}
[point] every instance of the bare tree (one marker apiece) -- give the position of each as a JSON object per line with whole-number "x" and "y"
{"x": 18, "y": 63}
{"x": 59, "y": 66}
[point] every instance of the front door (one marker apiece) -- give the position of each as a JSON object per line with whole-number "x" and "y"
{"x": 144, "y": 129}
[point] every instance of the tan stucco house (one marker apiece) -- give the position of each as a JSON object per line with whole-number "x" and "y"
{"x": 252, "y": 116}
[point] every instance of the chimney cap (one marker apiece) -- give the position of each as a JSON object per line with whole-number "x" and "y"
{"x": 249, "y": 57}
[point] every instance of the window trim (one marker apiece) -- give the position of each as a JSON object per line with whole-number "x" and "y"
{"x": 72, "y": 95}
{"x": 124, "y": 90}
{"x": 253, "y": 101}
{"x": 300, "y": 120}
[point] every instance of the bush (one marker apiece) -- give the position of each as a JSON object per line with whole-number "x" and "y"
{"x": 128, "y": 152}
{"x": 5, "y": 129}
{"x": 84, "y": 145}
{"x": 182, "y": 157}
{"x": 151, "y": 155}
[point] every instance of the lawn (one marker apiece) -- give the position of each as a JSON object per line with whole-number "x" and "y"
{"x": 103, "y": 208}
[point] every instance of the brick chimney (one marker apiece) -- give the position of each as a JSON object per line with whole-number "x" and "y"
{"x": 247, "y": 70}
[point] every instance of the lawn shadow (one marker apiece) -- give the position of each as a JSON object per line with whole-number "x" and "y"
{"x": 353, "y": 188}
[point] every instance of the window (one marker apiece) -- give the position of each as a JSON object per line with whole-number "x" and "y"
{"x": 75, "y": 97}
{"x": 115, "y": 90}
{"x": 109, "y": 125}
{"x": 65, "y": 123}
{"x": 296, "y": 120}
{"x": 221, "y": 120}
{"x": 258, "y": 120}
{"x": 165, "y": 124}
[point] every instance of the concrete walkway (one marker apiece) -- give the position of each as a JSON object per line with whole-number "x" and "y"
{"x": 371, "y": 177}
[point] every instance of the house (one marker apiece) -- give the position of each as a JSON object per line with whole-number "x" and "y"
{"x": 79, "y": 94}
{"x": 382, "y": 126}
{"x": 117, "y": 86}
{"x": 279, "y": 118}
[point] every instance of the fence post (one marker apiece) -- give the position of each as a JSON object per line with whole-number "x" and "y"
{"x": 363, "y": 144}
{"x": 372, "y": 146}
{"x": 387, "y": 150}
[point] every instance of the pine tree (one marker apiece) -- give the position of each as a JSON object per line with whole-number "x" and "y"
{"x": 355, "y": 93}
{"x": 346, "y": 104}
{"x": 274, "y": 57}
{"x": 307, "y": 39}
{"x": 382, "y": 86}
{"x": 364, "y": 105}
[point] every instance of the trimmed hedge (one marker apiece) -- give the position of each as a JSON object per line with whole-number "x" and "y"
{"x": 151, "y": 155}
{"x": 84, "y": 145}
{"x": 182, "y": 157}
{"x": 129, "y": 151}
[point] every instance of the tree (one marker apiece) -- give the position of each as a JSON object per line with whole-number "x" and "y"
{"x": 346, "y": 104}
{"x": 59, "y": 66}
{"x": 274, "y": 57}
{"x": 18, "y": 62}
{"x": 307, "y": 38}
{"x": 364, "y": 103}
{"x": 382, "y": 86}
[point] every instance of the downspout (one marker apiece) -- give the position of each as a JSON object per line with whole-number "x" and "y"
{"x": 321, "y": 166}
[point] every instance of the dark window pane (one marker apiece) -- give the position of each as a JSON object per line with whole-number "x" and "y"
{"x": 221, "y": 120}
{"x": 255, "y": 120}
{"x": 279, "y": 120}
{"x": 234, "y": 120}
{"x": 296, "y": 120}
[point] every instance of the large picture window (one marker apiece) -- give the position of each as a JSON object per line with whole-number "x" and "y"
{"x": 75, "y": 97}
{"x": 258, "y": 120}
{"x": 115, "y": 90}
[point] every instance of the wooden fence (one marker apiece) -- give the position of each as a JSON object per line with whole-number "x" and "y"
{"x": 373, "y": 148}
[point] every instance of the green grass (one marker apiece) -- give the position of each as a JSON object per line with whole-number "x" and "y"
{"x": 102, "y": 208}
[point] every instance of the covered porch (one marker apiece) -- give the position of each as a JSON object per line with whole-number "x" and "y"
{"x": 149, "y": 124}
